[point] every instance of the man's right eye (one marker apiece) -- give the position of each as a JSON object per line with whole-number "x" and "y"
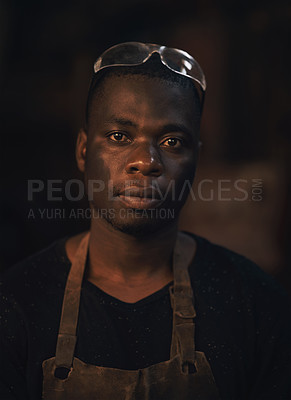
{"x": 119, "y": 137}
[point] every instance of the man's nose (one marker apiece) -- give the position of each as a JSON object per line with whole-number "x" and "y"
{"x": 146, "y": 160}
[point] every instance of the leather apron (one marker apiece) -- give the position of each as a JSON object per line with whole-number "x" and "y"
{"x": 186, "y": 375}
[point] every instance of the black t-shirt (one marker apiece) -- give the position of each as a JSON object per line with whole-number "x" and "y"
{"x": 242, "y": 324}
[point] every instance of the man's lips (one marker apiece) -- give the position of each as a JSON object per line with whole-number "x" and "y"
{"x": 139, "y": 198}
{"x": 142, "y": 192}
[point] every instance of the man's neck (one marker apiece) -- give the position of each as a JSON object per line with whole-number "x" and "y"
{"x": 128, "y": 259}
{"x": 126, "y": 267}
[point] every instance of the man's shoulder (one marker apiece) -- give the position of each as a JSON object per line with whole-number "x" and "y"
{"x": 220, "y": 266}
{"x": 48, "y": 266}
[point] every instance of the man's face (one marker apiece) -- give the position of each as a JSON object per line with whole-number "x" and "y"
{"x": 141, "y": 152}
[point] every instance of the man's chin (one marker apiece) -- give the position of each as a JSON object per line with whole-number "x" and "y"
{"x": 141, "y": 222}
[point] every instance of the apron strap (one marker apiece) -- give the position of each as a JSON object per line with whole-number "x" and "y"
{"x": 70, "y": 310}
{"x": 182, "y": 300}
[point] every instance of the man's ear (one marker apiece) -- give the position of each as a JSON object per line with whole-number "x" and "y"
{"x": 81, "y": 149}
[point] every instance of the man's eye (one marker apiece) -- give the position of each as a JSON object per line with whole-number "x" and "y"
{"x": 118, "y": 137}
{"x": 172, "y": 142}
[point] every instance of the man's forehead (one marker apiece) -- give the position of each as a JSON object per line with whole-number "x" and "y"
{"x": 146, "y": 92}
{"x": 135, "y": 104}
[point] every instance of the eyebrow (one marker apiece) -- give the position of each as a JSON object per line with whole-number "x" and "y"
{"x": 168, "y": 128}
{"x": 121, "y": 121}
{"x": 177, "y": 127}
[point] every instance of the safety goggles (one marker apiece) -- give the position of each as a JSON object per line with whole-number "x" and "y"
{"x": 136, "y": 53}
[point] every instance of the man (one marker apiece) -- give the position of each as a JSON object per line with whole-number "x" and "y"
{"x": 135, "y": 309}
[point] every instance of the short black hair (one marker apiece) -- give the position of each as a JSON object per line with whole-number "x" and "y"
{"x": 152, "y": 68}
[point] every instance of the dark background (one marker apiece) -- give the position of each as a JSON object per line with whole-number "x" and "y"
{"x": 47, "y": 50}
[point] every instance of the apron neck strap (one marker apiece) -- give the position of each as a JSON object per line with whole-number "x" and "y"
{"x": 70, "y": 310}
{"x": 182, "y": 301}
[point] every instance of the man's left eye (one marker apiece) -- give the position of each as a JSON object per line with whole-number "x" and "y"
{"x": 172, "y": 142}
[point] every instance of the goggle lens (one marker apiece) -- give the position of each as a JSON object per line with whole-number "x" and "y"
{"x": 135, "y": 53}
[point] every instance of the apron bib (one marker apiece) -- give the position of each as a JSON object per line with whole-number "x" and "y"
{"x": 185, "y": 376}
